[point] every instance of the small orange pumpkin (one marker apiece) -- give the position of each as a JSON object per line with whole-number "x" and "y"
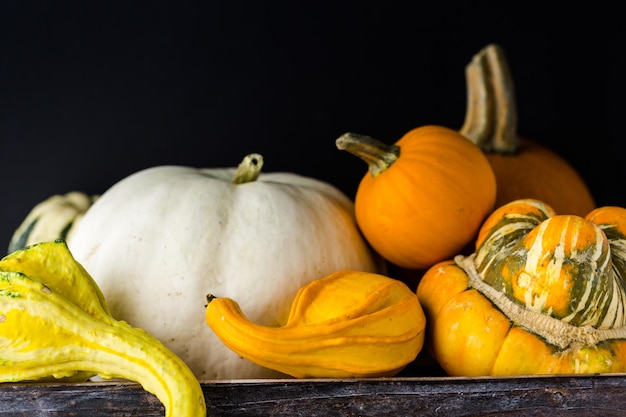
{"x": 424, "y": 197}
{"x": 523, "y": 168}
{"x": 543, "y": 294}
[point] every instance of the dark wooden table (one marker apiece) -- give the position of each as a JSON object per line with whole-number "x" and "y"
{"x": 593, "y": 395}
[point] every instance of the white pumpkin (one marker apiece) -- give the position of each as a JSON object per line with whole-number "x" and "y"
{"x": 160, "y": 240}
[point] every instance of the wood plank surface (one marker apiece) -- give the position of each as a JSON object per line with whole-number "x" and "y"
{"x": 594, "y": 395}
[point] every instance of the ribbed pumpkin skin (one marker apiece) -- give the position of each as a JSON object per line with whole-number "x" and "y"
{"x": 430, "y": 202}
{"x": 159, "y": 240}
{"x": 565, "y": 268}
{"x": 537, "y": 172}
{"x": 349, "y": 324}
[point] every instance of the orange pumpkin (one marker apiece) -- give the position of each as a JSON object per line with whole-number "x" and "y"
{"x": 542, "y": 294}
{"x": 424, "y": 197}
{"x": 523, "y": 168}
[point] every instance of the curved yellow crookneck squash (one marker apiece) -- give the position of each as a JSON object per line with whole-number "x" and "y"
{"x": 55, "y": 323}
{"x": 348, "y": 324}
{"x": 542, "y": 294}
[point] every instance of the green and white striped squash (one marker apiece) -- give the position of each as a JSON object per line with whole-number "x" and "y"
{"x": 54, "y": 218}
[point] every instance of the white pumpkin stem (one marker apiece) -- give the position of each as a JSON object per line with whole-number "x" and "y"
{"x": 491, "y": 116}
{"x": 249, "y": 169}
{"x": 378, "y": 155}
{"x": 554, "y": 331}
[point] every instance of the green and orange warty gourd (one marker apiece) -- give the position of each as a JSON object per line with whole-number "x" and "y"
{"x": 542, "y": 294}
{"x": 523, "y": 168}
{"x": 424, "y": 197}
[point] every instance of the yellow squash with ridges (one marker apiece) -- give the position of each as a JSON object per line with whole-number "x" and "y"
{"x": 54, "y": 322}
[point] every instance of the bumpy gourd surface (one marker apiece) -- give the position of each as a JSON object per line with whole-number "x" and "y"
{"x": 543, "y": 294}
{"x": 55, "y": 323}
{"x": 348, "y": 324}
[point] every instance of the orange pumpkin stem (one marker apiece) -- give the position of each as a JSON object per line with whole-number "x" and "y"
{"x": 378, "y": 155}
{"x": 491, "y": 116}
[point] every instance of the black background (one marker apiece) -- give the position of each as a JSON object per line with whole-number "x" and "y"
{"x": 94, "y": 91}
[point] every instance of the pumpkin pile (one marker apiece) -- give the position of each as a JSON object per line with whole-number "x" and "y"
{"x": 245, "y": 274}
{"x": 161, "y": 239}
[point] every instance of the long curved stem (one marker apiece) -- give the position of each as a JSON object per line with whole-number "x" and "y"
{"x": 491, "y": 116}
